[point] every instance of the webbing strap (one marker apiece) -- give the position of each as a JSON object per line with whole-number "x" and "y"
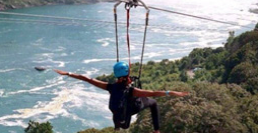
{"x": 128, "y": 38}
{"x": 144, "y": 40}
{"x": 117, "y": 51}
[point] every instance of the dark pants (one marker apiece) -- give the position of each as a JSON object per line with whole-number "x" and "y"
{"x": 147, "y": 103}
{"x": 152, "y": 104}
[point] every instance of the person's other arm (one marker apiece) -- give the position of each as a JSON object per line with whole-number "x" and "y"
{"x": 95, "y": 82}
{"x": 147, "y": 93}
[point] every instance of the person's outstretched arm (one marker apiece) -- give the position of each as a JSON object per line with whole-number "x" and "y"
{"x": 147, "y": 93}
{"x": 95, "y": 82}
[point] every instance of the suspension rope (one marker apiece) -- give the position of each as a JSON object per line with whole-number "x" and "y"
{"x": 143, "y": 45}
{"x": 128, "y": 37}
{"x": 116, "y": 34}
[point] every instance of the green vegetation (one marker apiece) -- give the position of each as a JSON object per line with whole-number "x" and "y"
{"x": 35, "y": 127}
{"x": 93, "y": 130}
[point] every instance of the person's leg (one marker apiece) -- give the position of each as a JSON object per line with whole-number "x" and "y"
{"x": 121, "y": 124}
{"x": 152, "y": 104}
{"x": 116, "y": 122}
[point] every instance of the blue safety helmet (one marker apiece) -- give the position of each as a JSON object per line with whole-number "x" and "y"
{"x": 121, "y": 69}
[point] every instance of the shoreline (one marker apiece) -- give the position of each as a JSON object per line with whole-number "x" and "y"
{"x": 4, "y": 6}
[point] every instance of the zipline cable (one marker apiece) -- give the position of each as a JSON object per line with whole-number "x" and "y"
{"x": 102, "y": 21}
{"x": 193, "y": 16}
{"x": 63, "y": 18}
{"x": 38, "y": 21}
{"x": 203, "y": 18}
{"x": 152, "y": 28}
{"x": 53, "y": 17}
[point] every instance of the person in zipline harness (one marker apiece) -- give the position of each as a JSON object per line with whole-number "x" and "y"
{"x": 126, "y": 101}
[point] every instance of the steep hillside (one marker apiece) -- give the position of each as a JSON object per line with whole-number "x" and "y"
{"x": 223, "y": 89}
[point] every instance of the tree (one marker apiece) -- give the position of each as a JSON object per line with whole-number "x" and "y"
{"x": 242, "y": 72}
{"x": 104, "y": 130}
{"x": 183, "y": 76}
{"x": 202, "y": 75}
{"x": 35, "y": 127}
{"x": 230, "y": 39}
{"x": 185, "y": 63}
{"x": 209, "y": 108}
{"x": 251, "y": 85}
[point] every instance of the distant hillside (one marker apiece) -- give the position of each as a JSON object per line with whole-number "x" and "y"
{"x": 13, "y": 4}
{"x": 224, "y": 90}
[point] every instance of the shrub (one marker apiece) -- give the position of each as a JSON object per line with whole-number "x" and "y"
{"x": 35, "y": 127}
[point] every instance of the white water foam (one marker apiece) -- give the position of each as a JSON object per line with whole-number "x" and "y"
{"x": 105, "y": 41}
{"x": 1, "y": 92}
{"x": 91, "y": 72}
{"x": 48, "y": 58}
{"x": 55, "y": 83}
{"x": 171, "y": 59}
{"x": 97, "y": 60}
{"x": 59, "y": 49}
{"x": 152, "y": 54}
{"x": 133, "y": 58}
{"x": 180, "y": 50}
{"x": 10, "y": 131}
{"x": 53, "y": 108}
{"x": 6, "y": 70}
{"x": 84, "y": 121}
{"x": 38, "y": 42}
{"x": 96, "y": 101}
{"x": 10, "y": 69}
{"x": 237, "y": 13}
{"x": 60, "y": 63}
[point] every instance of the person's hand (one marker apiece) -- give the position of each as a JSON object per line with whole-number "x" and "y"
{"x": 60, "y": 72}
{"x": 181, "y": 94}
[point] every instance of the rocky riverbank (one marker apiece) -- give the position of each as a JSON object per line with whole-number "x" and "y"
{"x": 14, "y": 4}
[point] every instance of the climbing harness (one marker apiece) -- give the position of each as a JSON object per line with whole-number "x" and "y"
{"x": 128, "y": 5}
